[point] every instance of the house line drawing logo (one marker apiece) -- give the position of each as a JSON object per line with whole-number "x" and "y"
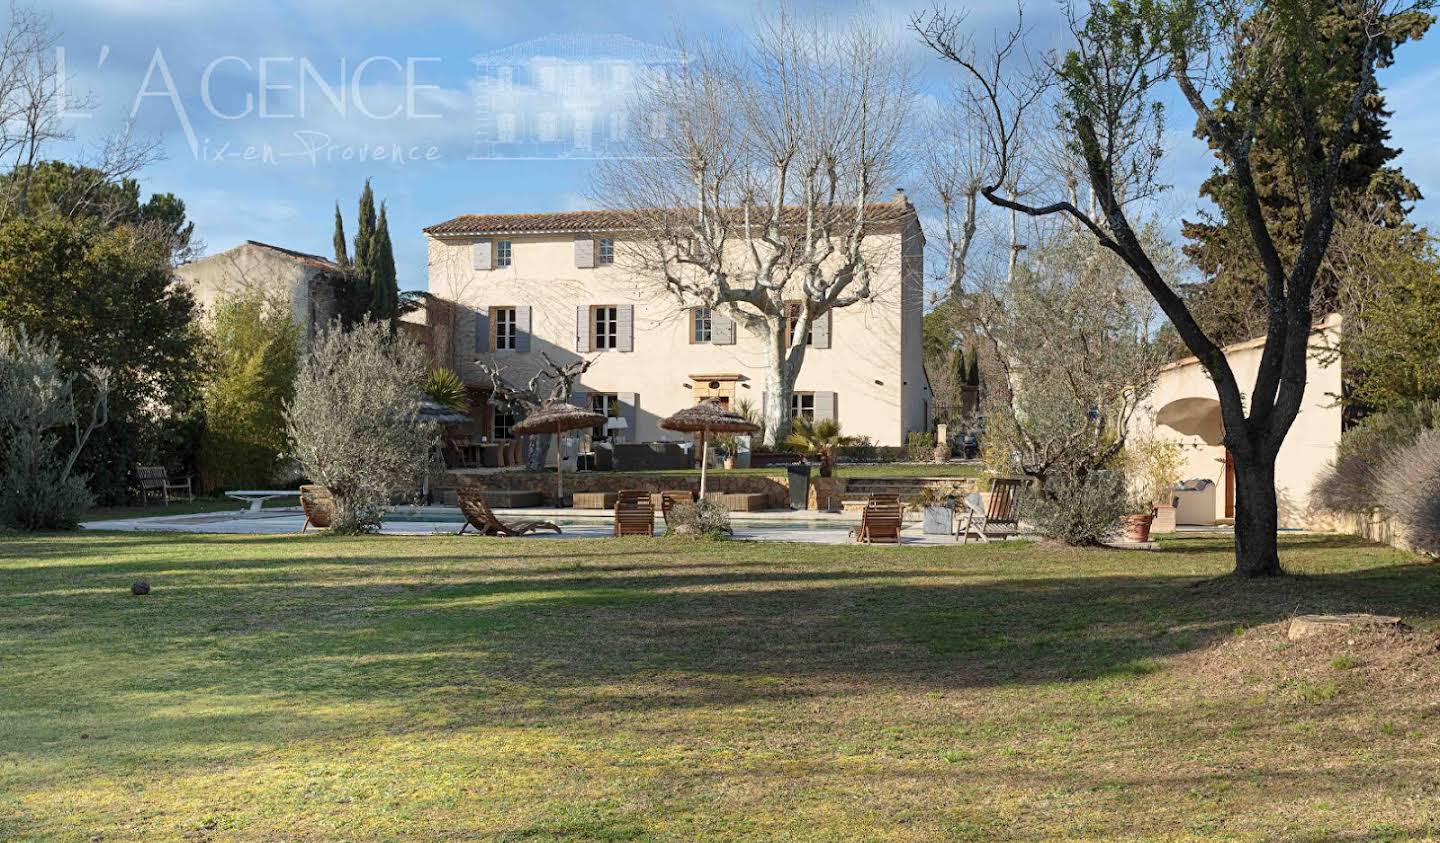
{"x": 564, "y": 96}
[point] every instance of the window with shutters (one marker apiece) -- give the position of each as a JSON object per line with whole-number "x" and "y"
{"x": 605, "y": 320}
{"x": 793, "y": 311}
{"x": 501, "y": 424}
{"x": 606, "y": 252}
{"x": 802, "y": 405}
{"x": 608, "y": 405}
{"x": 702, "y": 325}
{"x": 505, "y": 326}
{"x": 502, "y": 252}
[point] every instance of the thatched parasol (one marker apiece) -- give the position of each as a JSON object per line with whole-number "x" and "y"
{"x": 705, "y": 418}
{"x": 557, "y": 417}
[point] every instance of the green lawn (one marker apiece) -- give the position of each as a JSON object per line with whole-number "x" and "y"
{"x": 446, "y": 688}
{"x": 199, "y": 505}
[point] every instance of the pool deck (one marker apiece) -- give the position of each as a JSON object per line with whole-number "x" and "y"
{"x": 777, "y": 526}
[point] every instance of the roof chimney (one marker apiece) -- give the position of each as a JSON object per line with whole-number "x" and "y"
{"x": 900, "y": 198}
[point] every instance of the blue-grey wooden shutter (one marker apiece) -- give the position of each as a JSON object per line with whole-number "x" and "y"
{"x": 584, "y": 251}
{"x": 722, "y": 328}
{"x": 522, "y": 329}
{"x": 482, "y": 331}
{"x": 628, "y": 403}
{"x": 820, "y": 331}
{"x": 825, "y": 406}
{"x": 480, "y": 254}
{"x": 580, "y": 399}
{"x": 582, "y": 329}
{"x": 625, "y": 327}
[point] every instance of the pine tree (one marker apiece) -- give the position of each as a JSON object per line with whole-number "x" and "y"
{"x": 342, "y": 257}
{"x": 1231, "y": 304}
{"x": 384, "y": 288}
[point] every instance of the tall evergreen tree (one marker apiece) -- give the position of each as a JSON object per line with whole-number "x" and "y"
{"x": 384, "y": 288}
{"x": 365, "y": 232}
{"x": 1231, "y": 304}
{"x": 342, "y": 256}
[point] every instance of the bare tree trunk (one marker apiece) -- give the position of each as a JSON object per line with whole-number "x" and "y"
{"x": 779, "y": 385}
{"x": 1257, "y": 550}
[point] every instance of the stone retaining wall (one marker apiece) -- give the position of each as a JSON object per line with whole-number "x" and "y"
{"x": 825, "y": 492}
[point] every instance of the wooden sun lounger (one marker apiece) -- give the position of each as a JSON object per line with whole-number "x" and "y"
{"x": 1000, "y": 518}
{"x": 880, "y": 521}
{"x": 479, "y": 515}
{"x": 669, "y": 499}
{"x": 634, "y": 514}
{"x": 318, "y": 506}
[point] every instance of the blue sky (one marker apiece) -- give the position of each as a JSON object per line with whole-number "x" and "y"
{"x": 285, "y": 192}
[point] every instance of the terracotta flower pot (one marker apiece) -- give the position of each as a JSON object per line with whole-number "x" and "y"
{"x": 729, "y": 463}
{"x": 1137, "y": 526}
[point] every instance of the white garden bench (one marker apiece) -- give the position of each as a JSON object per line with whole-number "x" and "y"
{"x": 257, "y": 497}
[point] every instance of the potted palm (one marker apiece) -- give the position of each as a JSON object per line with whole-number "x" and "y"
{"x": 820, "y": 438}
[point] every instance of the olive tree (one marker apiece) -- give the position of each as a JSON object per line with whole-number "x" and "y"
{"x": 44, "y": 425}
{"x": 355, "y": 425}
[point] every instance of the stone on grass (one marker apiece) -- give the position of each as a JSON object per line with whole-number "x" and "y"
{"x": 1305, "y": 626}
{"x": 139, "y": 587}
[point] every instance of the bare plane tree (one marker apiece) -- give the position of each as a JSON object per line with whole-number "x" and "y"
{"x": 755, "y": 192}
{"x": 1233, "y": 62}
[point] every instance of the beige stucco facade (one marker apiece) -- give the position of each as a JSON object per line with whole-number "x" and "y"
{"x": 871, "y": 375}
{"x": 305, "y": 282}
{"x": 1185, "y": 408}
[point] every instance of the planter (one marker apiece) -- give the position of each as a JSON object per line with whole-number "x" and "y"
{"x": 938, "y": 520}
{"x": 1164, "y": 520}
{"x": 1137, "y": 526}
{"x": 729, "y": 463}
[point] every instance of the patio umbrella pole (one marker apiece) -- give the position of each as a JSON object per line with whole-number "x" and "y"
{"x": 704, "y": 460}
{"x": 559, "y": 474}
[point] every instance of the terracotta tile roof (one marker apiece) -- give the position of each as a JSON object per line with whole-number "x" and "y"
{"x": 569, "y": 222}
{"x": 304, "y": 257}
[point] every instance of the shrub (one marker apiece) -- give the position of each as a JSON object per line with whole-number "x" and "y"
{"x": 254, "y": 353}
{"x": 1351, "y": 483}
{"x": 39, "y": 489}
{"x": 1410, "y": 490}
{"x": 1077, "y": 509}
{"x": 859, "y": 449}
{"x": 920, "y": 447}
{"x": 1154, "y": 466}
{"x": 355, "y": 421}
{"x": 704, "y": 518}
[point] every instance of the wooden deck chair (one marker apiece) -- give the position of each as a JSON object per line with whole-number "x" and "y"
{"x": 318, "y": 506}
{"x": 1000, "y": 518}
{"x": 479, "y": 515}
{"x": 880, "y": 521}
{"x": 669, "y": 499}
{"x": 634, "y": 514}
{"x": 154, "y": 481}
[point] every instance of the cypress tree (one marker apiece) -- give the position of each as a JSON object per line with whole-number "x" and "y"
{"x": 384, "y": 288}
{"x": 365, "y": 232}
{"x": 341, "y": 256}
